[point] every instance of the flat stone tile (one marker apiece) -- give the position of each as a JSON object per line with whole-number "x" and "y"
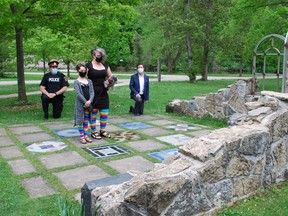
{"x": 25, "y": 129}
{"x": 154, "y": 131}
{"x": 11, "y": 152}
{"x": 136, "y": 163}
{"x": 118, "y": 120}
{"x": 145, "y": 145}
{"x": 36, "y": 137}
{"x": 38, "y": 187}
{"x": 21, "y": 166}
{"x": 59, "y": 125}
{"x": 161, "y": 122}
{"x": 162, "y": 155}
{"x": 199, "y": 133}
{"x": 112, "y": 128}
{"x": 61, "y": 159}
{"x": 76, "y": 178}
{"x": 6, "y": 141}
{"x": 76, "y": 142}
{"x": 3, "y": 132}
{"x": 144, "y": 117}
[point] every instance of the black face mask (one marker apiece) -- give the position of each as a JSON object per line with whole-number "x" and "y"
{"x": 98, "y": 59}
{"x": 82, "y": 74}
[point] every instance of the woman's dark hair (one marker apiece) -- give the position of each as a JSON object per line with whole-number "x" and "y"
{"x": 80, "y": 65}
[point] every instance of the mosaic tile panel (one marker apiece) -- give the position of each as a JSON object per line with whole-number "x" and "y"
{"x": 162, "y": 155}
{"x": 175, "y": 139}
{"x": 182, "y": 127}
{"x": 124, "y": 136}
{"x": 106, "y": 151}
{"x": 46, "y": 146}
{"x": 134, "y": 125}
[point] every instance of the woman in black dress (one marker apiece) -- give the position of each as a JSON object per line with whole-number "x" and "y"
{"x": 98, "y": 72}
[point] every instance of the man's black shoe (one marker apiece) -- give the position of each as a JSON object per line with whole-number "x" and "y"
{"x": 137, "y": 114}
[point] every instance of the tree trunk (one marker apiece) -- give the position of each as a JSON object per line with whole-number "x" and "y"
{"x": 158, "y": 70}
{"x": 190, "y": 73}
{"x": 206, "y": 47}
{"x": 169, "y": 63}
{"x": 22, "y": 97}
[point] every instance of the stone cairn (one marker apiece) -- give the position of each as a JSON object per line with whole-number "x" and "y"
{"x": 216, "y": 169}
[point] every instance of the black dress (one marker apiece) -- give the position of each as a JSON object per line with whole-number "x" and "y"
{"x": 101, "y": 98}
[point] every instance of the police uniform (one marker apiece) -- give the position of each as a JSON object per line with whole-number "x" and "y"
{"x": 52, "y": 84}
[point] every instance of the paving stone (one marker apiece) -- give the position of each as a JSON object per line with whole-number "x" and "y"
{"x": 76, "y": 178}
{"x": 11, "y": 152}
{"x": 3, "y": 132}
{"x": 118, "y": 120}
{"x": 36, "y": 137}
{"x": 199, "y": 133}
{"x": 25, "y": 129}
{"x": 38, "y": 187}
{"x": 145, "y": 145}
{"x": 154, "y": 131}
{"x": 21, "y": 166}
{"x": 136, "y": 163}
{"x": 61, "y": 159}
{"x": 59, "y": 125}
{"x": 76, "y": 141}
{"x": 6, "y": 141}
{"x": 144, "y": 117}
{"x": 112, "y": 128}
{"x": 161, "y": 122}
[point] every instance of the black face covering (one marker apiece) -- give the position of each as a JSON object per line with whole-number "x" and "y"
{"x": 82, "y": 74}
{"x": 98, "y": 59}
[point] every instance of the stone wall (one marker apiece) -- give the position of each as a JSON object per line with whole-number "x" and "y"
{"x": 216, "y": 169}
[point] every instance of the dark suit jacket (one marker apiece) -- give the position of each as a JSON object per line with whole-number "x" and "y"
{"x": 135, "y": 86}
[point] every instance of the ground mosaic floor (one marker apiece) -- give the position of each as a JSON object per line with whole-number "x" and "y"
{"x": 137, "y": 143}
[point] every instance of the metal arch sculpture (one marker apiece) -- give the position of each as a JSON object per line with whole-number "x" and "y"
{"x": 284, "y": 71}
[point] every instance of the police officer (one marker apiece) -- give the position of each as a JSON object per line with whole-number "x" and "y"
{"x": 52, "y": 86}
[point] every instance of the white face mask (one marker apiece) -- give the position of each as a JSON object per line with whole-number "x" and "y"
{"x": 140, "y": 70}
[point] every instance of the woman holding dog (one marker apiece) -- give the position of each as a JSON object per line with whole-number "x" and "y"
{"x": 97, "y": 73}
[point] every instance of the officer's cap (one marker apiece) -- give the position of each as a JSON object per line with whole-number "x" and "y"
{"x": 53, "y": 63}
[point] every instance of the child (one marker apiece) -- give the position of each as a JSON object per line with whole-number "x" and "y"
{"x": 83, "y": 107}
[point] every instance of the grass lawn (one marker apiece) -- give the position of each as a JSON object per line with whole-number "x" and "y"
{"x": 14, "y": 201}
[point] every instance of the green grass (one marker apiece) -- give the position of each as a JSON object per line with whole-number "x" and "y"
{"x": 14, "y": 201}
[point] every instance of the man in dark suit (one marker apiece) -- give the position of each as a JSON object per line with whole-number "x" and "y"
{"x": 139, "y": 86}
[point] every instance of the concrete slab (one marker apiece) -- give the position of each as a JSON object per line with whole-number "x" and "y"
{"x": 154, "y": 131}
{"x": 199, "y": 133}
{"x": 136, "y": 163}
{"x": 161, "y": 122}
{"x": 25, "y": 129}
{"x": 36, "y": 137}
{"x": 145, "y": 145}
{"x": 58, "y": 125}
{"x": 118, "y": 120}
{"x": 76, "y": 178}
{"x": 38, "y": 187}
{"x": 62, "y": 159}
{"x": 112, "y": 128}
{"x": 21, "y": 166}
{"x": 144, "y": 117}
{"x": 6, "y": 141}
{"x": 76, "y": 142}
{"x": 11, "y": 152}
{"x": 3, "y": 132}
